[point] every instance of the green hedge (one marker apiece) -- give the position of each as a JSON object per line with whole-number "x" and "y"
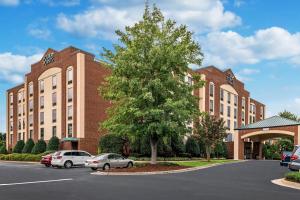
{"x": 192, "y": 147}
{"x": 3, "y": 149}
{"x": 23, "y": 156}
{"x": 110, "y": 143}
{"x": 28, "y": 146}
{"x": 293, "y": 176}
{"x": 39, "y": 147}
{"x": 19, "y": 147}
{"x": 53, "y": 144}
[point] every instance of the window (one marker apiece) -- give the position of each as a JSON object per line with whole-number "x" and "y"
{"x": 228, "y": 111}
{"x": 254, "y": 108}
{"x": 19, "y": 136}
{"x": 190, "y": 80}
{"x": 70, "y": 112}
{"x": 235, "y": 113}
{"x": 30, "y": 89}
{"x": 70, "y": 130}
{"x": 243, "y": 115}
{"x": 211, "y": 89}
{"x": 70, "y": 76}
{"x": 30, "y": 119}
{"x": 54, "y": 99}
{"x": 228, "y": 97}
{"x": 42, "y": 86}
{"x": 19, "y": 110}
{"x": 228, "y": 124}
{"x": 11, "y": 112}
{"x": 42, "y": 102}
{"x": 19, "y": 124}
{"x": 250, "y": 119}
{"x": 11, "y": 126}
{"x": 30, "y": 105}
{"x": 23, "y": 109}
{"x": 41, "y": 118}
{"x": 23, "y": 124}
{"x": 222, "y": 94}
{"x": 235, "y": 124}
{"x": 261, "y": 111}
{"x": 254, "y": 119}
{"x": 221, "y": 109}
{"x": 42, "y": 133}
{"x": 235, "y": 100}
{"x": 20, "y": 96}
{"x": 11, "y": 98}
{"x": 11, "y": 138}
{"x": 70, "y": 94}
{"x": 54, "y": 115}
{"x": 211, "y": 105}
{"x": 30, "y": 133}
{"x": 53, "y": 131}
{"x": 251, "y": 108}
{"x": 54, "y": 82}
{"x": 243, "y": 102}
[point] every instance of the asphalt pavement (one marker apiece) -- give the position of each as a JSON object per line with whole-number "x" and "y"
{"x": 240, "y": 181}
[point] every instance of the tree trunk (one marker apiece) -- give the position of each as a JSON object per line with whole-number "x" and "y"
{"x": 153, "y": 142}
{"x": 207, "y": 153}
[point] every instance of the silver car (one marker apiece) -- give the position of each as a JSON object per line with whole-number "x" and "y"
{"x": 294, "y": 165}
{"x": 108, "y": 160}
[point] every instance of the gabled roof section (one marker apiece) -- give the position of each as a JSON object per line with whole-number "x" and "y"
{"x": 275, "y": 121}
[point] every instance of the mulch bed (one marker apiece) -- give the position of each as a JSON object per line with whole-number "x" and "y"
{"x": 148, "y": 168}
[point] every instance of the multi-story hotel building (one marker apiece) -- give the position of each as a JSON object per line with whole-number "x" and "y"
{"x": 59, "y": 98}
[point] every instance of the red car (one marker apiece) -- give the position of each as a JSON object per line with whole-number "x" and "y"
{"x": 46, "y": 160}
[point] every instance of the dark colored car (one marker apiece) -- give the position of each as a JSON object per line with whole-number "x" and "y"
{"x": 46, "y": 160}
{"x": 285, "y": 158}
{"x": 294, "y": 165}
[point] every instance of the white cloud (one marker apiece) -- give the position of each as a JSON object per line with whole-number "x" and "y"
{"x": 230, "y": 48}
{"x": 248, "y": 71}
{"x": 13, "y": 67}
{"x": 9, "y": 2}
{"x": 40, "y": 33}
{"x": 238, "y": 3}
{"x": 66, "y": 3}
{"x": 101, "y": 21}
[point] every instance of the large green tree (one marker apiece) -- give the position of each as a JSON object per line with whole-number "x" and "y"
{"x": 211, "y": 131}
{"x": 289, "y": 115}
{"x": 147, "y": 87}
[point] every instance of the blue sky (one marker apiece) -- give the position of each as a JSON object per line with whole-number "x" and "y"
{"x": 258, "y": 39}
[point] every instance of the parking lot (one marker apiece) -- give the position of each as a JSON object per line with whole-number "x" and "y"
{"x": 246, "y": 180}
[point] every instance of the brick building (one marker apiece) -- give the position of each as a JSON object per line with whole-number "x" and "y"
{"x": 59, "y": 97}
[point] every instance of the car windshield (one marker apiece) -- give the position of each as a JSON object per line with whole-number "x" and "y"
{"x": 295, "y": 149}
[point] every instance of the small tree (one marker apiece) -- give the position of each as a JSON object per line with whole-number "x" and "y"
{"x": 3, "y": 150}
{"x": 147, "y": 86}
{"x": 28, "y": 146}
{"x": 53, "y": 144}
{"x": 288, "y": 115}
{"x": 192, "y": 146}
{"x": 39, "y": 147}
{"x": 212, "y": 131}
{"x": 19, "y": 147}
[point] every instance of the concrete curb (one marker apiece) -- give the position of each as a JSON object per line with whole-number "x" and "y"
{"x": 102, "y": 173}
{"x": 284, "y": 183}
{"x": 21, "y": 162}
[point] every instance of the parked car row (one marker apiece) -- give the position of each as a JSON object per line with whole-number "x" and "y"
{"x": 70, "y": 158}
{"x": 294, "y": 165}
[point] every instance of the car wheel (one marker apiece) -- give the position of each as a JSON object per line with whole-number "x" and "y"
{"x": 68, "y": 164}
{"x": 129, "y": 165}
{"x": 106, "y": 167}
{"x": 94, "y": 168}
{"x": 47, "y": 165}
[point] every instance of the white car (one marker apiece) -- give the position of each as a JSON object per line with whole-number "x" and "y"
{"x": 69, "y": 158}
{"x": 108, "y": 160}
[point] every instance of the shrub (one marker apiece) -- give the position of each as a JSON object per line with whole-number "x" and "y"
{"x": 28, "y": 146}
{"x": 53, "y": 144}
{"x": 145, "y": 146}
{"x": 3, "y": 150}
{"x": 192, "y": 146}
{"x": 111, "y": 143}
{"x": 19, "y": 147}
{"x": 177, "y": 144}
{"x": 293, "y": 176}
{"x": 39, "y": 147}
{"x": 220, "y": 150}
{"x": 21, "y": 157}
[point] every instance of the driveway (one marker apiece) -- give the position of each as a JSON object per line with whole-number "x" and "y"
{"x": 240, "y": 181}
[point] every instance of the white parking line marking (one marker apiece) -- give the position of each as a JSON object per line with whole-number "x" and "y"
{"x": 34, "y": 182}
